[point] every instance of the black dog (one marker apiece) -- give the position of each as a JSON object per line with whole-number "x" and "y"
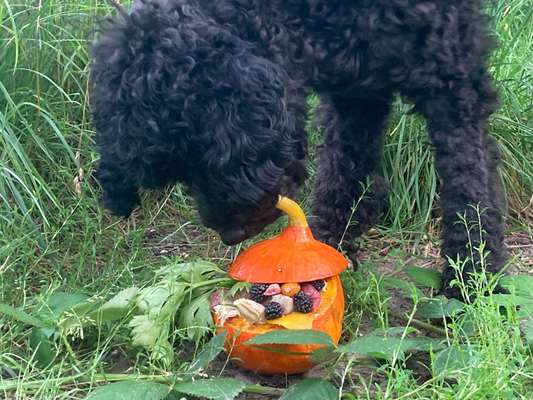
{"x": 212, "y": 94}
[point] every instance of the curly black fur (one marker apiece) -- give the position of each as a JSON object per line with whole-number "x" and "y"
{"x": 212, "y": 94}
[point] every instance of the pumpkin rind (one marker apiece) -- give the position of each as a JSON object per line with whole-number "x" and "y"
{"x": 327, "y": 319}
{"x": 292, "y": 256}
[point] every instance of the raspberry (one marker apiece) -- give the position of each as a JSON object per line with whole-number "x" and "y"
{"x": 273, "y": 310}
{"x": 256, "y": 292}
{"x": 319, "y": 284}
{"x": 303, "y": 303}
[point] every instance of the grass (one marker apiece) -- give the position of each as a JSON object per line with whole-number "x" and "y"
{"x": 55, "y": 237}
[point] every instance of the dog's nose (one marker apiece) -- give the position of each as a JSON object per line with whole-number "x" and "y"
{"x": 233, "y": 236}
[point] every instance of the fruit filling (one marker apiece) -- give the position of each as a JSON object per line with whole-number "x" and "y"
{"x": 265, "y": 302}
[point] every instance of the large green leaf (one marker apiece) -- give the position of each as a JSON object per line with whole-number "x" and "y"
{"x": 292, "y": 336}
{"x": 525, "y": 310}
{"x": 439, "y": 307}
{"x": 208, "y": 353}
{"x": 217, "y": 388}
{"x": 385, "y": 347}
{"x": 118, "y": 306}
{"x": 42, "y": 344}
{"x": 58, "y": 303}
{"x": 130, "y": 390}
{"x": 311, "y": 389}
{"x": 146, "y": 331}
{"x": 196, "y": 317}
{"x": 408, "y": 288}
{"x": 191, "y": 272}
{"x": 521, "y": 285}
{"x": 523, "y": 305}
{"x": 324, "y": 354}
{"x": 448, "y": 361}
{"x": 424, "y": 277}
{"x": 21, "y": 316}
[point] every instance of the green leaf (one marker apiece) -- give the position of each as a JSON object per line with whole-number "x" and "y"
{"x": 525, "y": 310}
{"x": 512, "y": 301}
{"x": 448, "y": 361}
{"x": 208, "y": 353}
{"x": 21, "y": 316}
{"x": 292, "y": 336}
{"x": 521, "y": 285}
{"x": 217, "y": 388}
{"x": 466, "y": 324}
{"x": 196, "y": 317}
{"x": 424, "y": 277}
{"x": 191, "y": 272}
{"x": 324, "y": 354}
{"x": 42, "y": 345}
{"x": 145, "y": 331}
{"x": 239, "y": 286}
{"x": 311, "y": 389}
{"x": 408, "y": 288}
{"x": 118, "y": 306}
{"x": 130, "y": 390}
{"x": 152, "y": 298}
{"x": 439, "y": 307}
{"x": 60, "y": 302}
{"x": 386, "y": 347}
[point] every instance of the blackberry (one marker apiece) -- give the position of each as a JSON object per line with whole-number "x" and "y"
{"x": 303, "y": 303}
{"x": 273, "y": 310}
{"x": 256, "y": 292}
{"x": 319, "y": 284}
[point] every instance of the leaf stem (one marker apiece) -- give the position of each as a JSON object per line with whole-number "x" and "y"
{"x": 420, "y": 324}
{"x": 85, "y": 378}
{"x": 259, "y": 389}
{"x": 82, "y": 379}
{"x": 208, "y": 283}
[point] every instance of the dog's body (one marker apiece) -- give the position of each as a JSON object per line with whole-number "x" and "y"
{"x": 212, "y": 94}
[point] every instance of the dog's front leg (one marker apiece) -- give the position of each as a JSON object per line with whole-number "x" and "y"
{"x": 349, "y": 195}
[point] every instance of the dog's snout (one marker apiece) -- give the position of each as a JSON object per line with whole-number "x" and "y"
{"x": 233, "y": 236}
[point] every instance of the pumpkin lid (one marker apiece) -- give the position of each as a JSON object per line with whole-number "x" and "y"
{"x": 292, "y": 256}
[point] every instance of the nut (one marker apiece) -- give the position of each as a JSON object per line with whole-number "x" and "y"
{"x": 253, "y": 312}
{"x": 287, "y": 303}
{"x": 225, "y": 312}
{"x": 290, "y": 289}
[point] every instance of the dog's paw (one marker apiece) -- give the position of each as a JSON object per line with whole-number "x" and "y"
{"x": 352, "y": 250}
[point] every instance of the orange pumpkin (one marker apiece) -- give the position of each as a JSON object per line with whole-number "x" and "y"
{"x": 294, "y": 256}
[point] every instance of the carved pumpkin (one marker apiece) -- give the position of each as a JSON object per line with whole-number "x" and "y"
{"x": 294, "y": 256}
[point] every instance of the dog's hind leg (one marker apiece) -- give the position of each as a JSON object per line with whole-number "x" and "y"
{"x": 466, "y": 158}
{"x": 349, "y": 195}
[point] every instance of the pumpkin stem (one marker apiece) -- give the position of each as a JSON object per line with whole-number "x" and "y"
{"x": 293, "y": 210}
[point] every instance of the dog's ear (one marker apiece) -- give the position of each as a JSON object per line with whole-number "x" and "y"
{"x": 132, "y": 86}
{"x": 176, "y": 97}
